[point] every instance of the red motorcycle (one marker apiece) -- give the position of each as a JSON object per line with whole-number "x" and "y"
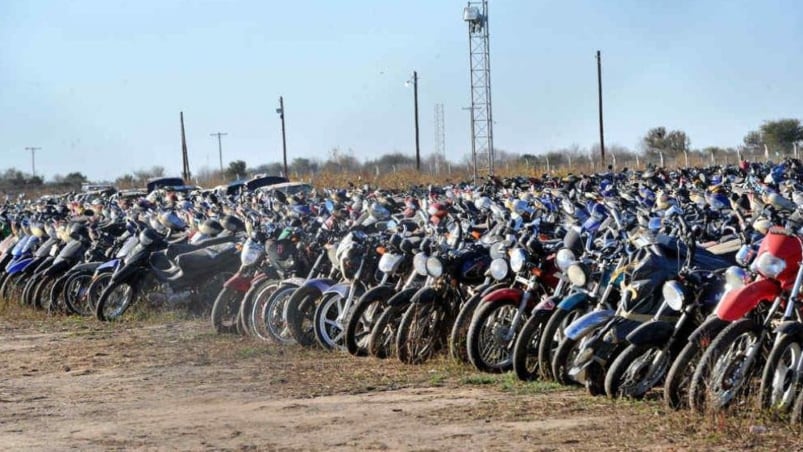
{"x": 736, "y": 355}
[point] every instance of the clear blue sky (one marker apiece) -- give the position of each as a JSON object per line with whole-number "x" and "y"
{"x": 99, "y": 84}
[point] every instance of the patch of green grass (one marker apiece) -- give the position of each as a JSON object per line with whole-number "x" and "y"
{"x": 511, "y": 383}
{"x": 437, "y": 379}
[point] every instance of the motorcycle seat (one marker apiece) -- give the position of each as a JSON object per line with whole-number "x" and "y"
{"x": 177, "y": 249}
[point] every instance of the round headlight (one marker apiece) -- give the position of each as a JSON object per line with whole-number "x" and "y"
{"x": 251, "y": 252}
{"x": 434, "y": 267}
{"x": 673, "y": 295}
{"x": 769, "y": 266}
{"x": 564, "y": 258}
{"x": 498, "y": 269}
{"x": 389, "y": 263}
{"x": 577, "y": 275}
{"x": 736, "y": 277}
{"x": 420, "y": 264}
{"x": 517, "y": 259}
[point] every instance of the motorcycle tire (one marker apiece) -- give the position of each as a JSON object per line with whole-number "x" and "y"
{"x": 526, "y": 359}
{"x": 272, "y": 314}
{"x": 328, "y": 333}
{"x": 76, "y": 293}
{"x": 56, "y": 294}
{"x": 564, "y": 355}
{"x": 636, "y": 370}
{"x": 96, "y": 288}
{"x": 706, "y": 389}
{"x": 797, "y": 410}
{"x": 678, "y": 379}
{"x": 10, "y": 290}
{"x": 550, "y": 339}
{"x": 382, "y": 341}
{"x": 41, "y": 294}
{"x": 458, "y": 344}
{"x": 363, "y": 318}
{"x": 491, "y": 336}
{"x": 225, "y": 311}
{"x": 300, "y": 315}
{"x": 115, "y": 300}
{"x": 780, "y": 382}
{"x": 28, "y": 289}
{"x": 420, "y": 333}
{"x": 255, "y": 293}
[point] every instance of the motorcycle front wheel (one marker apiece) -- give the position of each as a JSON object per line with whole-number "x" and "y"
{"x": 635, "y": 371}
{"x": 115, "y": 301}
{"x": 780, "y": 381}
{"x": 225, "y": 311}
{"x": 419, "y": 335}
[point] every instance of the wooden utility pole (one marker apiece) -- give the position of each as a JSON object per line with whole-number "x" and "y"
{"x": 599, "y": 91}
{"x": 185, "y": 159}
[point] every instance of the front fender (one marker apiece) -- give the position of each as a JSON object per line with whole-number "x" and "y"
{"x": 403, "y": 297}
{"x": 18, "y": 266}
{"x": 322, "y": 284}
{"x": 575, "y": 300}
{"x": 792, "y": 328}
{"x": 126, "y": 273}
{"x": 588, "y": 322}
{"x": 709, "y": 329}
{"x": 655, "y": 332}
{"x": 88, "y": 267}
{"x": 424, "y": 295}
{"x": 736, "y": 303}
{"x": 508, "y": 293}
{"x": 238, "y": 283}
{"x": 341, "y": 289}
{"x": 382, "y": 292}
{"x": 109, "y": 265}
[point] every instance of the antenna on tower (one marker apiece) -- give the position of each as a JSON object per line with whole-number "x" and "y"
{"x": 482, "y": 142}
{"x": 440, "y": 138}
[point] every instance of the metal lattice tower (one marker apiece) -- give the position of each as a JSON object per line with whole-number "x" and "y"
{"x": 440, "y": 138}
{"x": 482, "y": 142}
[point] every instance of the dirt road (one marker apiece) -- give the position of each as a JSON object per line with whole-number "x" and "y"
{"x": 168, "y": 383}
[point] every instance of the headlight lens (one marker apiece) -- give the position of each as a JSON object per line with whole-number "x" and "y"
{"x": 498, "y": 269}
{"x": 673, "y": 295}
{"x": 769, "y": 266}
{"x": 564, "y": 258}
{"x": 389, "y": 263}
{"x": 577, "y": 275}
{"x": 434, "y": 267}
{"x": 251, "y": 252}
{"x": 517, "y": 259}
{"x": 736, "y": 277}
{"x": 745, "y": 255}
{"x": 420, "y": 264}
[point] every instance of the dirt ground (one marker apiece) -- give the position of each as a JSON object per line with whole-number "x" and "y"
{"x": 170, "y": 383}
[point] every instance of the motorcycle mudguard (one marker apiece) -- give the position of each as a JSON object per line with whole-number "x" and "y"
{"x": 577, "y": 299}
{"x": 403, "y": 297}
{"x": 126, "y": 273}
{"x": 258, "y": 278}
{"x": 18, "y": 266}
{"x": 588, "y": 323}
{"x": 508, "y": 293}
{"x": 320, "y": 284}
{"x": 341, "y": 289}
{"x": 88, "y": 267}
{"x": 382, "y": 292}
{"x": 792, "y": 328}
{"x": 491, "y": 287}
{"x": 238, "y": 283}
{"x": 424, "y": 295}
{"x": 110, "y": 265}
{"x": 710, "y": 327}
{"x": 297, "y": 282}
{"x": 656, "y": 332}
{"x": 57, "y": 268}
{"x": 736, "y": 303}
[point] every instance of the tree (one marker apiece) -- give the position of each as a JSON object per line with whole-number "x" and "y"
{"x": 74, "y": 179}
{"x": 237, "y": 169}
{"x": 753, "y": 141}
{"x": 671, "y": 143}
{"x": 781, "y": 135}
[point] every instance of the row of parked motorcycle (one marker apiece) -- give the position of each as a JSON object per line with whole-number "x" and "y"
{"x": 684, "y": 283}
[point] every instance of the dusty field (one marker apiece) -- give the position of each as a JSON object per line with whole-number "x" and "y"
{"x": 169, "y": 383}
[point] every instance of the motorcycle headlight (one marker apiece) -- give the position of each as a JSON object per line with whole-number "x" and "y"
{"x": 434, "y": 267}
{"x": 420, "y": 264}
{"x": 498, "y": 269}
{"x": 389, "y": 263}
{"x": 736, "y": 277}
{"x": 769, "y": 266}
{"x": 577, "y": 275}
{"x": 251, "y": 253}
{"x": 564, "y": 258}
{"x": 517, "y": 259}
{"x": 673, "y": 295}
